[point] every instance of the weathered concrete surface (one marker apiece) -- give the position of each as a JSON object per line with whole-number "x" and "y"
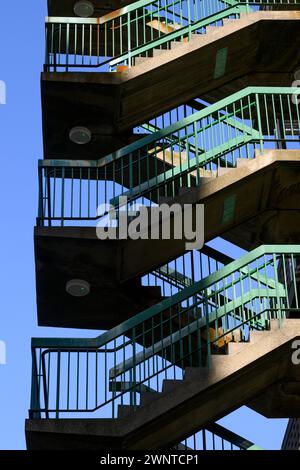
{"x": 281, "y": 400}
{"x": 63, "y": 254}
{"x": 267, "y": 192}
{"x": 262, "y": 51}
{"x": 267, "y": 210}
{"x": 204, "y": 396}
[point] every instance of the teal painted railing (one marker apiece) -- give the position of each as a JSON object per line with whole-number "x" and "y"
{"x": 121, "y": 37}
{"x": 244, "y": 125}
{"x": 76, "y": 377}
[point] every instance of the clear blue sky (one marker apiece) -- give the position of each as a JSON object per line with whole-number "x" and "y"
{"x": 21, "y": 58}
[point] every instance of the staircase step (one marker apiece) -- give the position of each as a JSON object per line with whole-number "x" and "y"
{"x": 256, "y": 336}
{"x": 176, "y": 44}
{"x": 219, "y": 360}
{"x": 184, "y": 190}
{"x": 228, "y": 21}
{"x": 125, "y": 410}
{"x": 148, "y": 397}
{"x": 244, "y": 14}
{"x": 166, "y": 199}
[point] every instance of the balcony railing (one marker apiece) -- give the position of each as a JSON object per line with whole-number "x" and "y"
{"x": 80, "y": 377}
{"x": 243, "y": 125}
{"x": 119, "y": 38}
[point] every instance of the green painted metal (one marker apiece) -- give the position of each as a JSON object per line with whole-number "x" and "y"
{"x": 180, "y": 331}
{"x": 221, "y": 61}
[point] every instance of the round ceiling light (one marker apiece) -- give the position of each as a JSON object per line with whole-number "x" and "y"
{"x": 84, "y": 8}
{"x": 78, "y": 288}
{"x": 80, "y": 135}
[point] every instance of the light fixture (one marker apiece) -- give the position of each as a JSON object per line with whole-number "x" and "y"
{"x": 80, "y": 135}
{"x": 84, "y": 8}
{"x": 78, "y": 288}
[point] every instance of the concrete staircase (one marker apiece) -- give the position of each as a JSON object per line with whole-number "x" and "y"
{"x": 203, "y": 396}
{"x": 211, "y": 66}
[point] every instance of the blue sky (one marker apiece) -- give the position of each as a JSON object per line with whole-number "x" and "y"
{"x": 21, "y": 58}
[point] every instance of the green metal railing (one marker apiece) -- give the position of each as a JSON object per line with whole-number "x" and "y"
{"x": 244, "y": 125}
{"x": 120, "y": 37}
{"x": 216, "y": 437}
{"x": 77, "y": 377}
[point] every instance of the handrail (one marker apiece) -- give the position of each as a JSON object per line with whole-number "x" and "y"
{"x": 172, "y": 129}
